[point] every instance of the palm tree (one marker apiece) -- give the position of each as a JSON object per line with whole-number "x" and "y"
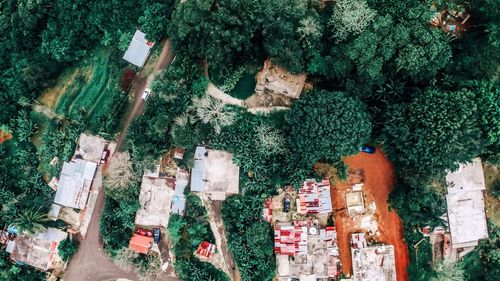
{"x": 31, "y": 221}
{"x": 213, "y": 111}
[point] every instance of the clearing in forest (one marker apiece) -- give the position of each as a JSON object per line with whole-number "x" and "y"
{"x": 377, "y": 175}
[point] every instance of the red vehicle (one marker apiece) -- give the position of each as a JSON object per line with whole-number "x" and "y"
{"x": 144, "y": 232}
{"x": 104, "y": 156}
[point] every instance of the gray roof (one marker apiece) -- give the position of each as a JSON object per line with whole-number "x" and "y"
{"x": 179, "y": 200}
{"x": 198, "y": 170}
{"x": 138, "y": 50}
{"x": 74, "y": 183}
{"x": 466, "y": 214}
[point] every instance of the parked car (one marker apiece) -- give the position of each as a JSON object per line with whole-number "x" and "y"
{"x": 286, "y": 204}
{"x": 368, "y": 149}
{"x": 144, "y": 232}
{"x": 146, "y": 94}
{"x": 157, "y": 234}
{"x": 104, "y": 156}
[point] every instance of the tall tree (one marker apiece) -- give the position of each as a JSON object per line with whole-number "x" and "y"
{"x": 435, "y": 132}
{"x": 31, "y": 221}
{"x": 350, "y": 17}
{"x": 327, "y": 125}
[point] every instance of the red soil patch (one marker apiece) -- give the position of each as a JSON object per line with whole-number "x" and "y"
{"x": 377, "y": 174}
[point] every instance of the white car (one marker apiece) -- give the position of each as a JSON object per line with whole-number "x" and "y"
{"x": 146, "y": 94}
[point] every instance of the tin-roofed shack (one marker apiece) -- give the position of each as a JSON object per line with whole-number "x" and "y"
{"x": 466, "y": 214}
{"x": 138, "y": 50}
{"x": 39, "y": 251}
{"x": 74, "y": 183}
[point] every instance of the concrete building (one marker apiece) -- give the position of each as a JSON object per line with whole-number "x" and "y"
{"x": 138, "y": 50}
{"x": 155, "y": 199}
{"x": 214, "y": 173}
{"x": 371, "y": 263}
{"x": 466, "y": 213}
{"x": 306, "y": 251}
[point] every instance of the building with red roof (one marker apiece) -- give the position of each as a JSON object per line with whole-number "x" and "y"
{"x": 140, "y": 244}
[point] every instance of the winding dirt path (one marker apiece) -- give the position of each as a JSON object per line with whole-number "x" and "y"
{"x": 379, "y": 180}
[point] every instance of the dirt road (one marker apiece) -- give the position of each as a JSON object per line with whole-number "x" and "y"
{"x": 165, "y": 59}
{"x": 378, "y": 175}
{"x": 90, "y": 263}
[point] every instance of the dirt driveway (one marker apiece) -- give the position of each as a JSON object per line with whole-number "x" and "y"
{"x": 378, "y": 178}
{"x": 165, "y": 59}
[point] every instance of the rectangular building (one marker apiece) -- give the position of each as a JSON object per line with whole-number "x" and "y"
{"x": 74, "y": 183}
{"x": 466, "y": 214}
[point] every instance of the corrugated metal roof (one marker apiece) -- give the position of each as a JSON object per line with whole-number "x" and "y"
{"x": 74, "y": 183}
{"x": 198, "y": 170}
{"x": 138, "y": 50}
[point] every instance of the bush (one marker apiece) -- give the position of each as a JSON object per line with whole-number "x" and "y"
{"x": 67, "y": 248}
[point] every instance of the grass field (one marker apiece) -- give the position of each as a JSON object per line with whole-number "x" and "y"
{"x": 86, "y": 97}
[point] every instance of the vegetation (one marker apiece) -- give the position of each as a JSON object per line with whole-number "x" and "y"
{"x": 186, "y": 233}
{"x": 379, "y": 72}
{"x": 67, "y": 248}
{"x": 327, "y": 126}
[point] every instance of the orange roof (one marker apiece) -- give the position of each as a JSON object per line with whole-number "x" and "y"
{"x": 140, "y": 244}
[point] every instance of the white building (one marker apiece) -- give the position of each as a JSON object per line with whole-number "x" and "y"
{"x": 466, "y": 214}
{"x": 139, "y": 49}
{"x": 214, "y": 173}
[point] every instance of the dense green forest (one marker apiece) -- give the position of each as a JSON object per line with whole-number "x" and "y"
{"x": 381, "y": 74}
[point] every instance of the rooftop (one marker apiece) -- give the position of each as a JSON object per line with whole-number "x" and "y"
{"x": 74, "y": 183}
{"x": 355, "y": 203}
{"x": 303, "y": 249}
{"x": 372, "y": 263}
{"x": 179, "y": 200}
{"x": 138, "y": 50}
{"x": 140, "y": 244}
{"x": 314, "y": 197}
{"x": 214, "y": 173}
{"x": 466, "y": 214}
{"x": 90, "y": 147}
{"x": 38, "y": 251}
{"x": 155, "y": 200}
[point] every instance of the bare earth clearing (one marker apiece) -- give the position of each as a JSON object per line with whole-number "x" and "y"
{"x": 378, "y": 175}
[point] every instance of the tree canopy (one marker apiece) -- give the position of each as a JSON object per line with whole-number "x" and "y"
{"x": 327, "y": 126}
{"x": 434, "y": 132}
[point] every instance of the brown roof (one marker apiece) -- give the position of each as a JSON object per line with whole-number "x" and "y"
{"x": 140, "y": 244}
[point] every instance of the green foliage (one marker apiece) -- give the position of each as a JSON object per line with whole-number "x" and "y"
{"x": 484, "y": 262}
{"x": 249, "y": 237}
{"x": 350, "y": 17}
{"x": 67, "y": 248}
{"x": 31, "y": 221}
{"x": 117, "y": 224}
{"x": 327, "y": 125}
{"x": 148, "y": 134}
{"x": 154, "y": 21}
{"x": 186, "y": 233}
{"x": 433, "y": 133}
